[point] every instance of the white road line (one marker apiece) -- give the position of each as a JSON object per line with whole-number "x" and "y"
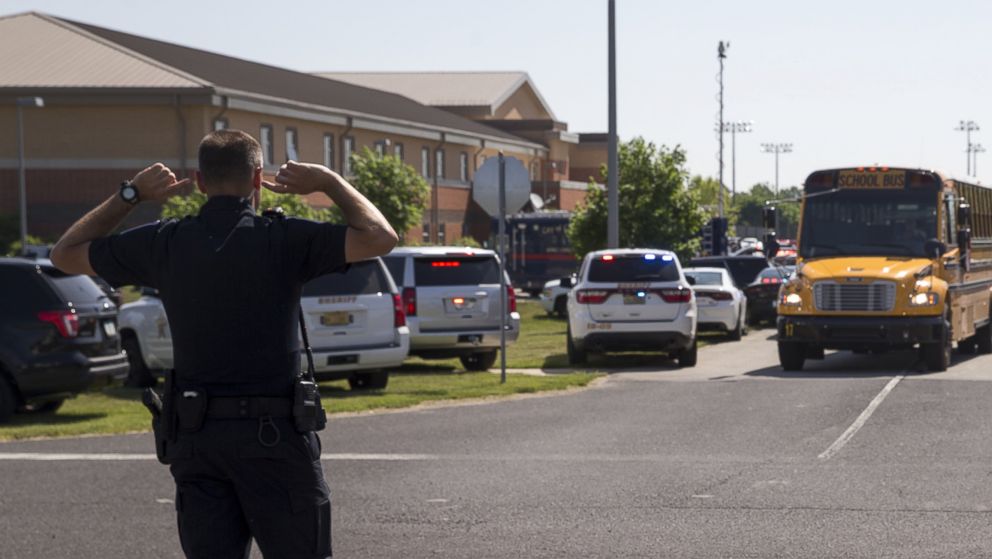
{"x": 110, "y": 457}
{"x": 860, "y": 421}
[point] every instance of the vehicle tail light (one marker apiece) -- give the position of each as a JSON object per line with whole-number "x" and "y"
{"x": 676, "y": 295}
{"x": 770, "y": 280}
{"x": 720, "y": 296}
{"x": 511, "y": 299}
{"x": 399, "y": 317}
{"x": 66, "y": 321}
{"x": 410, "y": 301}
{"x": 592, "y": 296}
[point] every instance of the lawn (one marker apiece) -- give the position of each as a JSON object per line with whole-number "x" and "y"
{"x": 119, "y": 410}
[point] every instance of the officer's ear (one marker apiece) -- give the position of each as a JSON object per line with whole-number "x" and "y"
{"x": 199, "y": 182}
{"x": 256, "y": 179}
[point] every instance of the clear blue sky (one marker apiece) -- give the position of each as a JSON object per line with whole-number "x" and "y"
{"x": 845, "y": 82}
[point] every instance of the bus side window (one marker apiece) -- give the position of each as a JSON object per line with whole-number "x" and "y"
{"x": 950, "y": 215}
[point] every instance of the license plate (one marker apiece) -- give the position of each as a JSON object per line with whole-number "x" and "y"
{"x": 461, "y": 303}
{"x": 110, "y": 328}
{"x": 633, "y": 299}
{"x": 335, "y": 319}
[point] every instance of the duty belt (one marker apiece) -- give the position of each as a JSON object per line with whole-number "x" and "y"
{"x": 249, "y": 407}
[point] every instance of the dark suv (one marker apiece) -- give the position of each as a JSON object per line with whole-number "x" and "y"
{"x": 58, "y": 333}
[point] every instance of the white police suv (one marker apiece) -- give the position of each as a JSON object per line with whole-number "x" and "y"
{"x": 632, "y": 300}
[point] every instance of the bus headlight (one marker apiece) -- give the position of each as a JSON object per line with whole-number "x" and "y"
{"x": 791, "y": 300}
{"x": 923, "y": 299}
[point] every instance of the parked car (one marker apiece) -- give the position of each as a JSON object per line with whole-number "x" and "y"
{"x": 451, "y": 296}
{"x": 58, "y": 335}
{"x": 743, "y": 269}
{"x": 632, "y": 299}
{"x": 354, "y": 320}
{"x": 751, "y": 242}
{"x": 720, "y": 304}
{"x": 762, "y": 294}
{"x": 554, "y": 296}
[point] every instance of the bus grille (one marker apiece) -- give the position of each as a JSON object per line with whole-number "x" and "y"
{"x": 833, "y": 296}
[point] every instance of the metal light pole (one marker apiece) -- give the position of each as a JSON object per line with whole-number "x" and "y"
{"x": 975, "y": 150}
{"x": 776, "y": 149}
{"x": 612, "y": 182}
{"x": 721, "y": 54}
{"x": 737, "y": 127}
{"x": 22, "y": 186}
{"x": 968, "y": 126}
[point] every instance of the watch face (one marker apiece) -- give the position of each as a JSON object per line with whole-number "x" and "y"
{"x": 129, "y": 193}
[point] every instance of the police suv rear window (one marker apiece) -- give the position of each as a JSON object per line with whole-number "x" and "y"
{"x": 455, "y": 270}
{"x": 75, "y": 289}
{"x": 362, "y": 278}
{"x": 633, "y": 268}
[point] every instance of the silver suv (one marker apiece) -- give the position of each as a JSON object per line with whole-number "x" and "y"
{"x": 451, "y": 298}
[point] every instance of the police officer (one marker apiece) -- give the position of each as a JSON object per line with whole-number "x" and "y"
{"x": 230, "y": 281}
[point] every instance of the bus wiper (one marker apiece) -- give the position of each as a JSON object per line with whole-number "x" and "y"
{"x": 892, "y": 245}
{"x": 816, "y": 248}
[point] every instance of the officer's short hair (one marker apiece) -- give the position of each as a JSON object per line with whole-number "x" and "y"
{"x": 229, "y": 156}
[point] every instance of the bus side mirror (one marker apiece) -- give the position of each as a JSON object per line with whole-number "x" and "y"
{"x": 769, "y": 217}
{"x": 934, "y": 248}
{"x": 964, "y": 215}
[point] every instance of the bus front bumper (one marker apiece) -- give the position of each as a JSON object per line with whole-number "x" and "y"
{"x": 855, "y": 332}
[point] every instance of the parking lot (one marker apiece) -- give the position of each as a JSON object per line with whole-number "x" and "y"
{"x": 857, "y": 456}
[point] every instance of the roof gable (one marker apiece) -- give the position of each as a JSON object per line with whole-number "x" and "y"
{"x": 41, "y": 51}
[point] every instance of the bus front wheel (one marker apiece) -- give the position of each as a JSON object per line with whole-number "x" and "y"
{"x": 937, "y": 355}
{"x": 792, "y": 355}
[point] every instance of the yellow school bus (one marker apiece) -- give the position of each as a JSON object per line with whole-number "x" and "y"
{"x": 889, "y": 258}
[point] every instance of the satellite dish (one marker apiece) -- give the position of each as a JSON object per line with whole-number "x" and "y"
{"x": 536, "y": 201}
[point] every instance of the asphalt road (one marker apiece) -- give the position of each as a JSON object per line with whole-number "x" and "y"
{"x": 858, "y": 456}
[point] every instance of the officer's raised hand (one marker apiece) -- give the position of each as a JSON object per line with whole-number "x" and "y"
{"x": 369, "y": 234}
{"x": 157, "y": 183}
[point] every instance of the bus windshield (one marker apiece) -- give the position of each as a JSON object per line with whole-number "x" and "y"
{"x": 862, "y": 223}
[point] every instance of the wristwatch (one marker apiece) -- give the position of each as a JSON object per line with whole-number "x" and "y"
{"x": 129, "y": 193}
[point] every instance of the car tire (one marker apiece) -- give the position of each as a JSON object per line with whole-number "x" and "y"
{"x": 375, "y": 380}
{"x": 688, "y": 356}
{"x": 737, "y": 333}
{"x": 561, "y": 306}
{"x": 138, "y": 374}
{"x": 480, "y": 361}
{"x": 576, "y": 356}
{"x": 937, "y": 355}
{"x": 983, "y": 339}
{"x": 8, "y": 401}
{"x": 791, "y": 355}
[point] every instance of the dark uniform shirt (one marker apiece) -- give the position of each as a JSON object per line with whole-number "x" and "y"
{"x": 230, "y": 281}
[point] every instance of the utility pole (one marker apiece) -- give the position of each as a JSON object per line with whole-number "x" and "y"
{"x": 22, "y": 102}
{"x": 737, "y": 127}
{"x": 612, "y": 179}
{"x": 968, "y": 126}
{"x": 975, "y": 150}
{"x": 721, "y": 54}
{"x": 776, "y": 149}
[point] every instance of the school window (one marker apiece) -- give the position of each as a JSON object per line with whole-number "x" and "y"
{"x": 425, "y": 236}
{"x": 220, "y": 124}
{"x": 440, "y": 234}
{"x": 439, "y": 163}
{"x": 463, "y": 167}
{"x": 398, "y": 151}
{"x": 329, "y": 151}
{"x": 533, "y": 171}
{"x": 380, "y": 147}
{"x": 348, "y": 147}
{"x": 425, "y": 162}
{"x": 292, "y": 145}
{"x": 265, "y": 138}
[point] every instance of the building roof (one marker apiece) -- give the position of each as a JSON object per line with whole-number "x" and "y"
{"x": 446, "y": 89}
{"x": 41, "y": 52}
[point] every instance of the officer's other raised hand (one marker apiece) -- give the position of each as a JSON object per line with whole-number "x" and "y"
{"x": 157, "y": 183}
{"x": 301, "y": 178}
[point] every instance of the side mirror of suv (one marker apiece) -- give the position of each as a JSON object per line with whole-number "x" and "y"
{"x": 567, "y": 281}
{"x": 691, "y": 280}
{"x": 149, "y": 292}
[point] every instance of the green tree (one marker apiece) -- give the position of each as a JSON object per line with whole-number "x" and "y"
{"x": 749, "y": 205}
{"x": 394, "y": 187}
{"x": 706, "y": 190}
{"x": 293, "y": 205}
{"x": 657, "y": 210}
